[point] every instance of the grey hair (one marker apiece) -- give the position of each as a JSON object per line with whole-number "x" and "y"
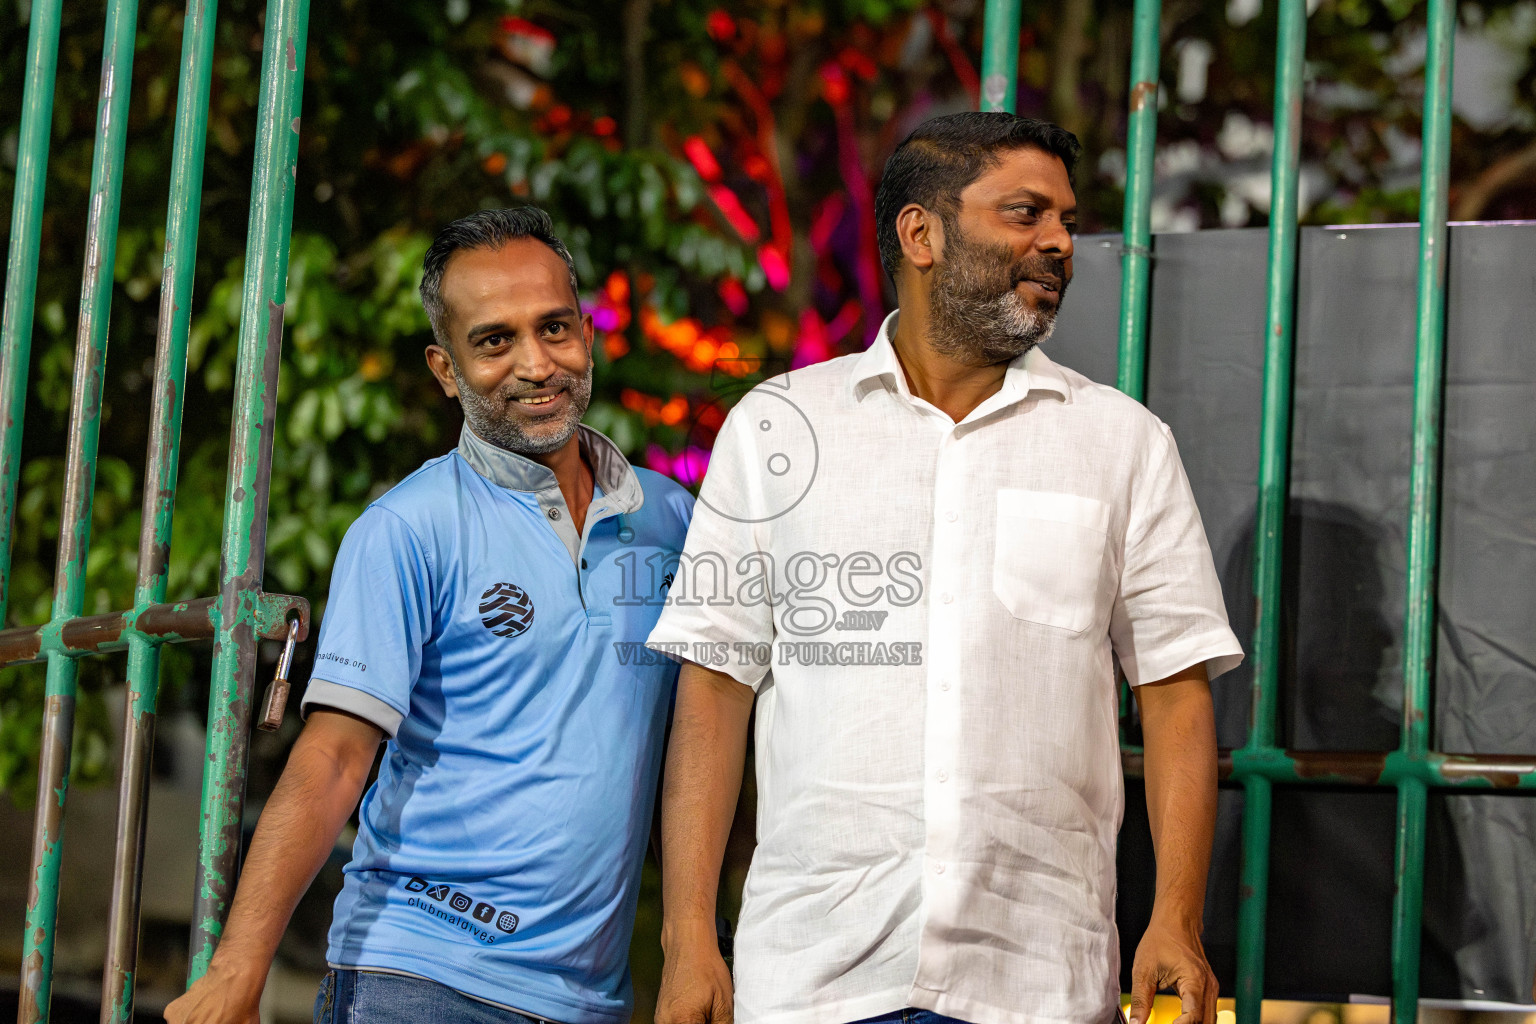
{"x": 485, "y": 229}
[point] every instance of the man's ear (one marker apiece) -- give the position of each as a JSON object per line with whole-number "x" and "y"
{"x": 921, "y": 234}
{"x": 588, "y": 333}
{"x": 441, "y": 365}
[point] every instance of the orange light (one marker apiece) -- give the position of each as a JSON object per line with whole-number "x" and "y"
{"x": 674, "y": 411}
{"x": 615, "y": 345}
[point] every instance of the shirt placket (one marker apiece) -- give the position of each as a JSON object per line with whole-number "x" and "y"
{"x": 943, "y": 888}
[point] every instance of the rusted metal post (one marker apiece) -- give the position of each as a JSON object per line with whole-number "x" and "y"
{"x": 21, "y": 268}
{"x": 250, "y": 470}
{"x": 1424, "y": 504}
{"x": 117, "y": 985}
{"x": 75, "y": 522}
{"x": 1273, "y": 487}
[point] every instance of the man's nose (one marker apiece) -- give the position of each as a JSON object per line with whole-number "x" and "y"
{"x": 531, "y": 360}
{"x": 1054, "y": 239}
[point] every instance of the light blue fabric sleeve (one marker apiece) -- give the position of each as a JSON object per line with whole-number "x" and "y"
{"x": 379, "y": 615}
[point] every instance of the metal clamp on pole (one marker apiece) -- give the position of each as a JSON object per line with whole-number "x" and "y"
{"x": 276, "y": 701}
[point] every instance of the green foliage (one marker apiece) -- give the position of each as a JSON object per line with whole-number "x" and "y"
{"x": 421, "y": 110}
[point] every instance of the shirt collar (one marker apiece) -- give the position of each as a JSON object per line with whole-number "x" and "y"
{"x": 610, "y": 468}
{"x": 878, "y": 366}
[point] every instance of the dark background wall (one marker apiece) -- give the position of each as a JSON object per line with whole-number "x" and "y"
{"x": 1331, "y": 877}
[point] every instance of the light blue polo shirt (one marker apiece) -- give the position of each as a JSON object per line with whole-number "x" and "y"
{"x": 499, "y": 851}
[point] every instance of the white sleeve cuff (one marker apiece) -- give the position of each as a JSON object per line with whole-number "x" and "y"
{"x": 324, "y": 693}
{"x": 1219, "y": 650}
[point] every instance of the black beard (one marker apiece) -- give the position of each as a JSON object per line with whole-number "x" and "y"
{"x": 489, "y": 417}
{"x": 974, "y": 315}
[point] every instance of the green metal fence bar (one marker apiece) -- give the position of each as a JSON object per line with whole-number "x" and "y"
{"x": 1273, "y": 485}
{"x": 1424, "y": 503}
{"x": 1000, "y": 55}
{"x": 1140, "y": 149}
{"x": 21, "y": 268}
{"x": 75, "y": 521}
{"x": 117, "y": 986}
{"x": 1136, "y": 259}
{"x": 250, "y": 467}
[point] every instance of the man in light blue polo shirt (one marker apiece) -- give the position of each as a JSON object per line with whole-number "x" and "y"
{"x": 481, "y": 619}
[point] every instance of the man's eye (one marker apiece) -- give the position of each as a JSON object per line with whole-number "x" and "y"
{"x": 555, "y": 328}
{"x": 1071, "y": 227}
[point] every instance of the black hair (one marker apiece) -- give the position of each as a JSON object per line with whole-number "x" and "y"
{"x": 943, "y": 155}
{"x": 485, "y": 229}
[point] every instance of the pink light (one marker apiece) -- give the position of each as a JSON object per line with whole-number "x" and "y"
{"x": 774, "y": 267}
{"x": 605, "y": 318}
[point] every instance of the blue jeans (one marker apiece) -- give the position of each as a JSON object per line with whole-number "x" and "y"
{"x": 910, "y": 1016}
{"x": 368, "y": 997}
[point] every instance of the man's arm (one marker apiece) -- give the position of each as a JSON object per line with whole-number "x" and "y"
{"x": 1179, "y": 729}
{"x": 698, "y": 801}
{"x": 314, "y": 798}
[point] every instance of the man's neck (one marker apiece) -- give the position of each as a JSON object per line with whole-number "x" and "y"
{"x": 574, "y": 475}
{"x": 953, "y": 387}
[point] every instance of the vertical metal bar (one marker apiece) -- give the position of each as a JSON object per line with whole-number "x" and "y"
{"x": 1136, "y": 259}
{"x": 21, "y": 269}
{"x": 1424, "y": 503}
{"x": 117, "y": 986}
{"x": 1274, "y": 474}
{"x": 1140, "y": 148}
{"x": 1000, "y": 55}
{"x": 79, "y": 483}
{"x": 250, "y": 470}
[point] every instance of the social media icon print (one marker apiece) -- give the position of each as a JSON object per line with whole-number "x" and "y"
{"x": 785, "y": 447}
{"x": 438, "y": 892}
{"x": 416, "y": 885}
{"x": 507, "y": 922}
{"x": 460, "y": 902}
{"x": 484, "y": 912}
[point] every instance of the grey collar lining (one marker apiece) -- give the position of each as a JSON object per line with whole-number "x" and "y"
{"x": 621, "y": 491}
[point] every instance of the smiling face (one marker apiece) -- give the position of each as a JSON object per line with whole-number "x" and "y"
{"x": 519, "y": 350}
{"x": 1005, "y": 260}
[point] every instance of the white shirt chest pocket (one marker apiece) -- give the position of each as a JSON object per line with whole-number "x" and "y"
{"x": 1048, "y": 564}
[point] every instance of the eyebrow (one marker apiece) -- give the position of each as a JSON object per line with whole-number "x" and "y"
{"x": 1020, "y": 195}
{"x": 497, "y": 326}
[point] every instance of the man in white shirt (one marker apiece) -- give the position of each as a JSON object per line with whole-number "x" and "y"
{"x": 922, "y": 562}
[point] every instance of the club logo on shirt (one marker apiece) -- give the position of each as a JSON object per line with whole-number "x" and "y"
{"x": 506, "y": 610}
{"x": 476, "y": 922}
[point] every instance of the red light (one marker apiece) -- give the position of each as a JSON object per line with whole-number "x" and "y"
{"x": 701, "y": 158}
{"x": 720, "y": 25}
{"x": 735, "y": 214}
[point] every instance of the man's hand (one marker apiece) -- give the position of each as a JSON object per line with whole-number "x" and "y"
{"x": 695, "y": 983}
{"x": 1171, "y": 956}
{"x": 218, "y": 997}
{"x": 319, "y": 787}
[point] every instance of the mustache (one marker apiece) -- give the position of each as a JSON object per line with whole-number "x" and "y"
{"x": 512, "y": 392}
{"x": 1039, "y": 265}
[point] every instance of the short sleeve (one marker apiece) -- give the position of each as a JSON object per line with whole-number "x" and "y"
{"x": 377, "y": 620}
{"x": 1169, "y": 613}
{"x": 713, "y": 605}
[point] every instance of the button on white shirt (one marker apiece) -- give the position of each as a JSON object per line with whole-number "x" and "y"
{"x": 939, "y": 784}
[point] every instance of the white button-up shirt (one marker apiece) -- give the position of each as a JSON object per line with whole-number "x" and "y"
{"x": 930, "y": 613}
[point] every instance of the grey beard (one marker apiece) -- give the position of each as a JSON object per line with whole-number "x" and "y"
{"x": 983, "y": 332}
{"x": 974, "y": 316}
{"x": 489, "y": 417}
